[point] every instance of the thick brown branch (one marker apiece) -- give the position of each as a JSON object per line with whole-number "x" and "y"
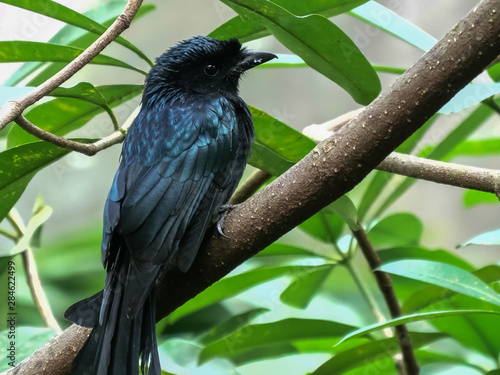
{"x": 313, "y": 183}
{"x": 11, "y": 110}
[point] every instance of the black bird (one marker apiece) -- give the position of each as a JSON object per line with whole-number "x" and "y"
{"x": 181, "y": 160}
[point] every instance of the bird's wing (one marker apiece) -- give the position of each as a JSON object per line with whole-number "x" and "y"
{"x": 151, "y": 205}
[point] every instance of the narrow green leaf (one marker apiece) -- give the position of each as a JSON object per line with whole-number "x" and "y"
{"x": 368, "y": 352}
{"x": 282, "y": 139}
{"x": 269, "y": 161}
{"x": 34, "y": 224}
{"x": 74, "y": 37}
{"x": 279, "y": 249}
{"x": 269, "y": 334}
{"x": 426, "y": 357}
{"x": 411, "y": 319}
{"x": 400, "y": 229}
{"x": 323, "y": 226}
{"x": 346, "y": 210}
{"x": 63, "y": 115}
{"x": 322, "y": 45}
{"x": 388, "y": 21}
{"x": 305, "y": 286}
{"x": 59, "y": 12}
{"x": 230, "y": 286}
{"x": 231, "y": 325}
{"x": 247, "y": 30}
{"x": 432, "y": 294}
{"x": 444, "y": 275}
{"x": 474, "y": 198}
{"x": 415, "y": 252}
{"x": 12, "y": 93}
{"x": 21, "y": 51}
{"x": 488, "y": 238}
{"x": 471, "y": 95}
{"x": 494, "y": 72}
{"x": 18, "y": 165}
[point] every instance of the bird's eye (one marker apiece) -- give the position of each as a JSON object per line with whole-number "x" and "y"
{"x": 211, "y": 70}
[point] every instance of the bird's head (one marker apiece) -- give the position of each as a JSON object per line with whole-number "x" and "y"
{"x": 201, "y": 65}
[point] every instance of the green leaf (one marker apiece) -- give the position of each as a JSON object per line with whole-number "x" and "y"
{"x": 63, "y": 115}
{"x": 21, "y": 51}
{"x": 230, "y": 286}
{"x": 59, "y": 12}
{"x": 483, "y": 147}
{"x": 305, "y": 286}
{"x": 247, "y": 30}
{"x": 474, "y": 198}
{"x": 279, "y": 249}
{"x": 432, "y": 294}
{"x": 269, "y": 161}
{"x": 415, "y": 252}
{"x": 40, "y": 216}
{"x": 323, "y": 226}
{"x": 426, "y": 357}
{"x": 346, "y": 210}
{"x": 12, "y": 93}
{"x": 86, "y": 91}
{"x": 494, "y": 72}
{"x": 385, "y": 19}
{"x": 368, "y": 352}
{"x": 282, "y": 139}
{"x": 411, "y": 319}
{"x": 400, "y": 229}
{"x": 18, "y": 166}
{"x": 231, "y": 325}
{"x": 320, "y": 43}
{"x": 444, "y": 275}
{"x": 74, "y": 37}
{"x": 270, "y": 334}
{"x": 277, "y": 146}
{"x": 488, "y": 238}
{"x": 470, "y": 95}
{"x": 28, "y": 339}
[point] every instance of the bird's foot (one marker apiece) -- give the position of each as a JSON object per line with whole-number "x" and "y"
{"x": 224, "y": 210}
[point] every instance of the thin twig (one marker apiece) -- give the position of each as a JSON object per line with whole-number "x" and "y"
{"x": 385, "y": 285}
{"x": 12, "y": 109}
{"x": 37, "y": 292}
{"x": 482, "y": 179}
{"x": 88, "y": 149}
{"x": 250, "y": 186}
{"x": 9, "y": 235}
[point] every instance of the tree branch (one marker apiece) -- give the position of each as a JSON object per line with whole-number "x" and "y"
{"x": 14, "y": 108}
{"x": 482, "y": 179}
{"x": 34, "y": 283}
{"x": 312, "y": 184}
{"x": 384, "y": 283}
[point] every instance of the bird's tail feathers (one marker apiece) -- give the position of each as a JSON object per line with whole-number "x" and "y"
{"x": 116, "y": 342}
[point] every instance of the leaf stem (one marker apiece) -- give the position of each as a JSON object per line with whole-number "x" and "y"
{"x": 32, "y": 277}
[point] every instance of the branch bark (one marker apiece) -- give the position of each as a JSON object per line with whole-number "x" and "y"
{"x": 14, "y": 108}
{"x": 311, "y": 184}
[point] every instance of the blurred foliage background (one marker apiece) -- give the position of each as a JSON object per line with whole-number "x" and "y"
{"x": 288, "y": 309}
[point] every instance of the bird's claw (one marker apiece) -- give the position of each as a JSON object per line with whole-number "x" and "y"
{"x": 224, "y": 210}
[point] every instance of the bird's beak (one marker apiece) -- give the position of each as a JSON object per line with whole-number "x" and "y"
{"x": 251, "y": 59}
